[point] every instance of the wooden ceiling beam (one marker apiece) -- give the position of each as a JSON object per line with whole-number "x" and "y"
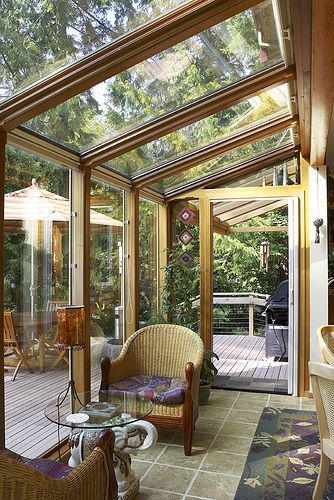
{"x": 119, "y": 55}
{"x": 259, "y": 211}
{"x": 193, "y": 111}
{"x": 201, "y": 155}
{"x": 301, "y": 18}
{"x": 322, "y": 83}
{"x": 241, "y": 209}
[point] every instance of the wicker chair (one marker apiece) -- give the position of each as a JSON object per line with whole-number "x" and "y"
{"x": 325, "y": 336}
{"x": 159, "y": 351}
{"x": 322, "y": 378}
{"x": 22, "y": 479}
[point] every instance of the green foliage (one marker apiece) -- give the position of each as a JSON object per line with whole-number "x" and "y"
{"x": 237, "y": 257}
{"x": 208, "y": 369}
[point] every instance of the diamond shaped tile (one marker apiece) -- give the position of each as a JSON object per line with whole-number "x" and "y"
{"x": 185, "y": 215}
{"x": 186, "y": 259}
{"x": 185, "y": 237}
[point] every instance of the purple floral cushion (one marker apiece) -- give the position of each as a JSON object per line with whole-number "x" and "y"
{"x": 161, "y": 390}
{"x": 50, "y": 468}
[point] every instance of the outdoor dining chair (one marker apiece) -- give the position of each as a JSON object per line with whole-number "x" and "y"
{"x": 15, "y": 344}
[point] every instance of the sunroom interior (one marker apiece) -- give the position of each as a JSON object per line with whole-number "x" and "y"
{"x": 130, "y": 139}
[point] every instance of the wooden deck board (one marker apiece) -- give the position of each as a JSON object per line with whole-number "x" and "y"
{"x": 244, "y": 356}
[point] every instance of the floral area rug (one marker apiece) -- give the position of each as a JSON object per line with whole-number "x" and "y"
{"x": 283, "y": 462}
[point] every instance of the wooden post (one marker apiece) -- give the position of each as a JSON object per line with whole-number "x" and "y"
{"x": 3, "y": 139}
{"x": 251, "y": 318}
{"x": 206, "y": 259}
{"x": 162, "y": 248}
{"x": 80, "y": 270}
{"x": 131, "y": 306}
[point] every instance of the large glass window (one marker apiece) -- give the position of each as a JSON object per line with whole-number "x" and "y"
{"x": 226, "y": 53}
{"x": 148, "y": 260}
{"x": 36, "y": 280}
{"x": 78, "y": 27}
{"x": 106, "y": 273}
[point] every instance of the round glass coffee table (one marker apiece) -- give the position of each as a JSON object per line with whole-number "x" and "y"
{"x": 123, "y": 412}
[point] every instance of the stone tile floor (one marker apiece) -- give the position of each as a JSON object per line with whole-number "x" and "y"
{"x": 221, "y": 442}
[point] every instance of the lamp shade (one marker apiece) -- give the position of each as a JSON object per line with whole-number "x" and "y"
{"x": 71, "y": 327}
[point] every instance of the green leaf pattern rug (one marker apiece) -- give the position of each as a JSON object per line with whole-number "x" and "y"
{"x": 283, "y": 462}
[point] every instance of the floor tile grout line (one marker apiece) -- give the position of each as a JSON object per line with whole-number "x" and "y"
{"x": 180, "y": 494}
{"x": 153, "y": 463}
{"x": 206, "y": 454}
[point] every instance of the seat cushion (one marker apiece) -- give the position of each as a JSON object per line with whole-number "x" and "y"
{"x": 159, "y": 390}
{"x": 50, "y": 468}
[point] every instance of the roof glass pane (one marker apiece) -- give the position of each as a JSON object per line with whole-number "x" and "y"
{"x": 224, "y": 54}
{"x": 243, "y": 116}
{"x": 280, "y": 174}
{"x": 221, "y": 163}
{"x": 38, "y": 38}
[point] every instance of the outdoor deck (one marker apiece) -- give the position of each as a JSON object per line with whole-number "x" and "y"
{"x": 243, "y": 363}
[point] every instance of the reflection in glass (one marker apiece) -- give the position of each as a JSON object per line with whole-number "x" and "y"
{"x": 245, "y": 115}
{"x": 78, "y": 27}
{"x": 36, "y": 278}
{"x": 226, "y": 53}
{"x": 106, "y": 273}
{"x": 148, "y": 260}
{"x": 233, "y": 157}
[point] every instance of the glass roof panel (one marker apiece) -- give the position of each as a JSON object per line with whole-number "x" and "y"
{"x": 221, "y": 163}
{"x": 38, "y": 38}
{"x": 243, "y": 116}
{"x": 283, "y": 173}
{"x": 224, "y": 54}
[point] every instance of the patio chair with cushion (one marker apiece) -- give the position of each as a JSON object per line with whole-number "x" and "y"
{"x": 161, "y": 363}
{"x": 325, "y": 336}
{"x": 15, "y": 344}
{"x": 322, "y": 378}
{"x": 42, "y": 479}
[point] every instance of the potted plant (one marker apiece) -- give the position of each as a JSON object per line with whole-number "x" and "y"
{"x": 208, "y": 373}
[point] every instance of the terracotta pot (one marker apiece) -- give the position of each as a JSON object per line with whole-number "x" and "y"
{"x": 204, "y": 394}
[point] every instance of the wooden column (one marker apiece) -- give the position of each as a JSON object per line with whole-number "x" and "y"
{"x": 131, "y": 306}
{"x": 206, "y": 284}
{"x": 251, "y": 319}
{"x": 80, "y": 272}
{"x": 3, "y": 139}
{"x": 304, "y": 286}
{"x": 162, "y": 247}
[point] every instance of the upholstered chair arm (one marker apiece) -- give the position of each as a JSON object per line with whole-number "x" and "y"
{"x": 196, "y": 378}
{"x": 89, "y": 480}
{"x": 114, "y": 371}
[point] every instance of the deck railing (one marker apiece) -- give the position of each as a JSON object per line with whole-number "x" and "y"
{"x": 238, "y": 313}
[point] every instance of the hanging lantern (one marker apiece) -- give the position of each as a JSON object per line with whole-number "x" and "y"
{"x": 264, "y": 255}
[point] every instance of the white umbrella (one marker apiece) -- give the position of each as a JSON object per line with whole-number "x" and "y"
{"x": 30, "y": 207}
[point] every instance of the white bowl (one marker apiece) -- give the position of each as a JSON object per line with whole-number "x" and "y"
{"x": 77, "y": 418}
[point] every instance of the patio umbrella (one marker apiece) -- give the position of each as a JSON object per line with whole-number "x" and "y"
{"x": 42, "y": 214}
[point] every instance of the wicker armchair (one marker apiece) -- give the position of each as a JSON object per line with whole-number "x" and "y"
{"x": 325, "y": 336}
{"x": 322, "y": 378}
{"x": 159, "y": 351}
{"x": 22, "y": 479}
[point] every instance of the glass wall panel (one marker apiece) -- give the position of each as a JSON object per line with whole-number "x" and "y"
{"x": 245, "y": 115}
{"x": 106, "y": 273}
{"x": 36, "y": 280}
{"x": 78, "y": 27}
{"x": 148, "y": 261}
{"x": 228, "y": 160}
{"x": 224, "y": 54}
